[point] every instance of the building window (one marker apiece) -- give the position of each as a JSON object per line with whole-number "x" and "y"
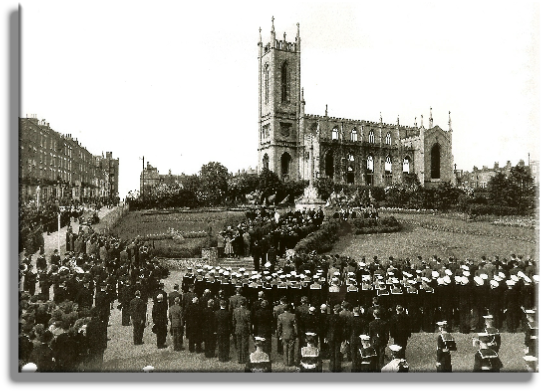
{"x": 285, "y": 164}
{"x": 371, "y": 137}
{"x": 435, "y": 162}
{"x": 329, "y": 164}
{"x": 354, "y": 135}
{"x": 335, "y": 134}
{"x": 370, "y": 165}
{"x": 285, "y": 88}
{"x": 387, "y": 165}
{"x": 388, "y": 139}
{"x": 406, "y": 165}
{"x": 266, "y": 83}
{"x": 350, "y": 157}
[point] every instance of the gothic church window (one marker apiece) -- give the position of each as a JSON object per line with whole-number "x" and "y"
{"x": 335, "y": 134}
{"x": 435, "y": 162}
{"x": 387, "y": 164}
{"x": 370, "y": 163}
{"x": 265, "y": 161}
{"x": 354, "y": 135}
{"x": 371, "y": 137}
{"x": 406, "y": 165}
{"x": 285, "y": 87}
{"x": 285, "y": 163}
{"x": 388, "y": 139}
{"x": 266, "y": 83}
{"x": 329, "y": 164}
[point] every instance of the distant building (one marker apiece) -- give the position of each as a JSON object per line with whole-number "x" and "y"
{"x": 61, "y": 166}
{"x": 150, "y": 178}
{"x": 300, "y": 146}
{"x": 479, "y": 178}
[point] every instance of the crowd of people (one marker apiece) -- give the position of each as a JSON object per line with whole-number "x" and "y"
{"x": 266, "y": 231}
{"x": 305, "y": 307}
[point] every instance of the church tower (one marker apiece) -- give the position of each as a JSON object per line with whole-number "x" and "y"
{"x": 279, "y": 104}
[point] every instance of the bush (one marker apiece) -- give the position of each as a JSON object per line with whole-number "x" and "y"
{"x": 321, "y": 240}
{"x": 497, "y": 210}
{"x": 382, "y": 225}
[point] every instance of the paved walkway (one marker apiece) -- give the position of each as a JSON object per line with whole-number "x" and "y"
{"x": 50, "y": 242}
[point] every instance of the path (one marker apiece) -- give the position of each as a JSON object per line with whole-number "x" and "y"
{"x": 50, "y": 242}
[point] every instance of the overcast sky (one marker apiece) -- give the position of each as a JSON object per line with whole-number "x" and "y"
{"x": 177, "y": 81}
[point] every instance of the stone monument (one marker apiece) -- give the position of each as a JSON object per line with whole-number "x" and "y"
{"x": 310, "y": 198}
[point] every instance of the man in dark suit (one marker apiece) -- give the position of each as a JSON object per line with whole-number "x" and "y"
{"x": 400, "y": 330}
{"x": 160, "y": 320}
{"x": 176, "y": 319}
{"x": 379, "y": 333}
{"x": 263, "y": 324}
{"x": 287, "y": 333}
{"x": 335, "y": 335}
{"x": 174, "y": 294}
{"x": 223, "y": 323}
{"x": 241, "y": 328}
{"x": 138, "y": 314}
{"x": 209, "y": 328}
{"x": 194, "y": 326}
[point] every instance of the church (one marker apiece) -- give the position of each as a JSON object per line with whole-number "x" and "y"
{"x": 300, "y": 146}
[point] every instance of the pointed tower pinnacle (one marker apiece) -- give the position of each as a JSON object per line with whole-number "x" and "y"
{"x": 260, "y": 30}
{"x": 326, "y": 109}
{"x": 397, "y": 119}
{"x": 380, "y": 117}
{"x": 430, "y": 117}
{"x": 421, "y": 121}
{"x": 449, "y": 121}
{"x": 302, "y": 94}
{"x": 415, "y": 122}
{"x": 273, "y": 24}
{"x": 284, "y": 36}
{"x": 273, "y": 37}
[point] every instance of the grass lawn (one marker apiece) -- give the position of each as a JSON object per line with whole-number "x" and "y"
{"x": 413, "y": 240}
{"x": 122, "y": 356}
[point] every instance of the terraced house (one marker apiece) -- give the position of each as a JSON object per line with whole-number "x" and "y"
{"x": 300, "y": 146}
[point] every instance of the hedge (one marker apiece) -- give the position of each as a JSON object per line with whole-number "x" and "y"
{"x": 321, "y": 240}
{"x": 497, "y": 210}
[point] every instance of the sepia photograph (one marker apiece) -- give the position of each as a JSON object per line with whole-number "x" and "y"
{"x": 278, "y": 187}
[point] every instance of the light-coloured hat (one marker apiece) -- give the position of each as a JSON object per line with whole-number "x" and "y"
{"x": 447, "y": 280}
{"x": 484, "y": 276}
{"x": 448, "y": 272}
{"x": 478, "y": 280}
{"x": 148, "y": 368}
{"x": 364, "y": 337}
{"x": 514, "y": 278}
{"x": 466, "y": 273}
{"x": 395, "y": 348}
{"x": 494, "y": 283}
{"x": 29, "y": 367}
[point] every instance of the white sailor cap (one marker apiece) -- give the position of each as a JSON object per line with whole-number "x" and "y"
{"x": 514, "y": 278}
{"x": 466, "y": 273}
{"x": 364, "y": 337}
{"x": 484, "y": 276}
{"x": 29, "y": 367}
{"x": 448, "y": 272}
{"x": 494, "y": 283}
{"x": 395, "y": 348}
{"x": 488, "y": 316}
{"x": 435, "y": 274}
{"x": 478, "y": 280}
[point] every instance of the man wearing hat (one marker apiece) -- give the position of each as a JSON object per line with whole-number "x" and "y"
{"x": 160, "y": 320}
{"x": 445, "y": 343}
{"x": 511, "y": 306}
{"x": 258, "y": 361}
{"x": 397, "y": 364}
{"x": 310, "y": 355}
{"x": 368, "y": 359}
{"x": 223, "y": 319}
{"x": 263, "y": 324}
{"x": 494, "y": 333}
{"x": 486, "y": 359}
{"x": 174, "y": 294}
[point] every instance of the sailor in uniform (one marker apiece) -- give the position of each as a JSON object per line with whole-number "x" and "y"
{"x": 310, "y": 355}
{"x": 531, "y": 333}
{"x": 486, "y": 359}
{"x": 494, "y": 333}
{"x": 258, "y": 361}
{"x": 396, "y": 364}
{"x": 367, "y": 355}
{"x": 445, "y": 344}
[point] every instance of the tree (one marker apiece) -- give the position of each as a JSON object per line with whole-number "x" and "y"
{"x": 269, "y": 183}
{"x": 499, "y": 190}
{"x": 214, "y": 182}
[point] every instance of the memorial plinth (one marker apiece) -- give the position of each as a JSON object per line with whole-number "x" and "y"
{"x": 309, "y": 199}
